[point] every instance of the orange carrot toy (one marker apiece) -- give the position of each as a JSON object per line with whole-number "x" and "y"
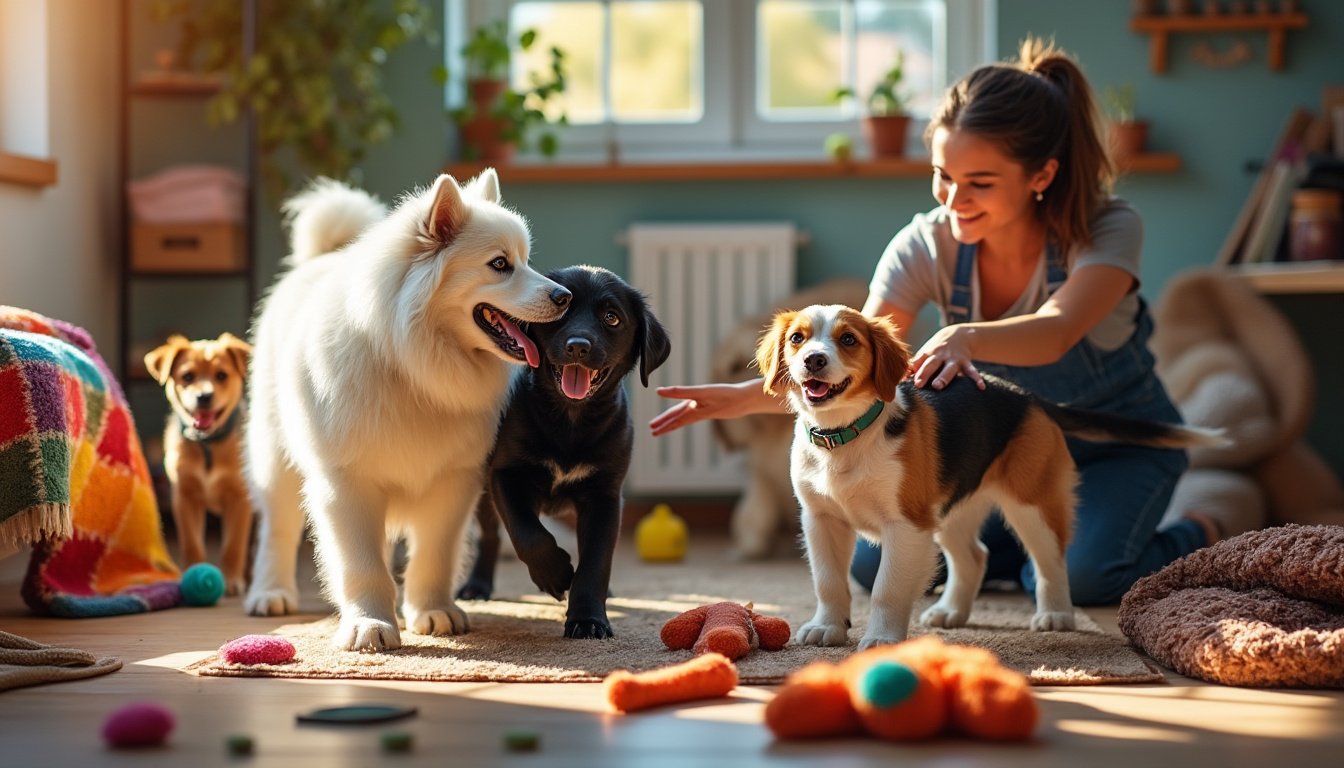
{"x": 703, "y": 677}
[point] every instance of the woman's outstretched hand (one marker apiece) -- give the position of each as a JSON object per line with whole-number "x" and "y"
{"x": 708, "y": 401}
{"x": 944, "y": 357}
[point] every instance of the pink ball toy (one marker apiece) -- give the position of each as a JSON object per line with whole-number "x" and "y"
{"x": 138, "y": 725}
{"x": 257, "y": 649}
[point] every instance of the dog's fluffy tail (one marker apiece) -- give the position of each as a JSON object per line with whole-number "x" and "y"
{"x": 1107, "y": 427}
{"x": 326, "y": 216}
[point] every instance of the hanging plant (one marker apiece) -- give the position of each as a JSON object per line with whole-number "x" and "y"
{"x": 314, "y": 83}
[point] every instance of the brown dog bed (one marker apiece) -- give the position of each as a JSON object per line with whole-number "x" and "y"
{"x": 1264, "y": 609}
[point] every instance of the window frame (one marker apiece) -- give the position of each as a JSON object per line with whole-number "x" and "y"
{"x": 730, "y": 128}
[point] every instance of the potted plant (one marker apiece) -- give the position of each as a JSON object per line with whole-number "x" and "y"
{"x": 887, "y": 121}
{"x": 314, "y": 83}
{"x": 497, "y": 118}
{"x": 1128, "y": 133}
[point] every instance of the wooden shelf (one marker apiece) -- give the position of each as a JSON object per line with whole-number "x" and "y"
{"x": 747, "y": 171}
{"x": 28, "y": 171}
{"x": 1293, "y": 277}
{"x": 1161, "y": 27}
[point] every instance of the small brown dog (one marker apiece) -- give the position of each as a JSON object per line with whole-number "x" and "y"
{"x": 202, "y": 445}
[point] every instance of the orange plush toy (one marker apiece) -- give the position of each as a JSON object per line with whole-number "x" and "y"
{"x": 727, "y": 628}
{"x": 915, "y": 690}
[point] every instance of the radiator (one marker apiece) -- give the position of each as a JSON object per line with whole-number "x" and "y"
{"x": 701, "y": 280}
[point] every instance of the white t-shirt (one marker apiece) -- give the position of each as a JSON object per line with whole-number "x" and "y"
{"x": 919, "y": 264}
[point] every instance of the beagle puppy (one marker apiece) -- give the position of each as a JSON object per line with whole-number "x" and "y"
{"x": 909, "y": 468}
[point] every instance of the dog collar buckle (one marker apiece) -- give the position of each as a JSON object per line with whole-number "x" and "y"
{"x": 830, "y": 438}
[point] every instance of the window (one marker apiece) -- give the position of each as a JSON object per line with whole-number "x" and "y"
{"x": 24, "y": 139}
{"x": 700, "y": 77}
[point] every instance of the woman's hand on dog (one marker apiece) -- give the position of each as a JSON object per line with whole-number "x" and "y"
{"x": 712, "y": 401}
{"x": 946, "y": 355}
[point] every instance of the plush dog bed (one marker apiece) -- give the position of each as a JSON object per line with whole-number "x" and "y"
{"x": 1264, "y": 609}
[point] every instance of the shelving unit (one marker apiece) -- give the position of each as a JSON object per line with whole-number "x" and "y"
{"x": 1300, "y": 277}
{"x": 1275, "y": 25}
{"x": 176, "y": 97}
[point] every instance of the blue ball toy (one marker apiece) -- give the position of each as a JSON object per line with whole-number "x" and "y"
{"x": 202, "y": 585}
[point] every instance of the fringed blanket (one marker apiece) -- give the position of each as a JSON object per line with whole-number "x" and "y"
{"x": 73, "y": 478}
{"x": 1264, "y": 609}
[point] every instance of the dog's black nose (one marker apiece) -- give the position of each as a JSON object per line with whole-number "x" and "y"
{"x": 561, "y": 296}
{"x": 577, "y": 348}
{"x": 815, "y": 362}
{"x": 203, "y": 399}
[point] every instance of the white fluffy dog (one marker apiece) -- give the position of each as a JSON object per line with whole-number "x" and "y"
{"x": 380, "y": 371}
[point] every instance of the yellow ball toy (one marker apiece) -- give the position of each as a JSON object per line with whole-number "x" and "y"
{"x": 661, "y": 535}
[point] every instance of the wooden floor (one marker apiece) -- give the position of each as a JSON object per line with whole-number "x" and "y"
{"x": 1179, "y": 723}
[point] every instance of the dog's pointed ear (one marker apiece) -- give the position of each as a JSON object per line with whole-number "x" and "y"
{"x": 654, "y": 345}
{"x": 485, "y": 186}
{"x": 159, "y": 361}
{"x": 891, "y": 357}
{"x": 238, "y": 350}
{"x": 770, "y": 350}
{"x": 448, "y": 214}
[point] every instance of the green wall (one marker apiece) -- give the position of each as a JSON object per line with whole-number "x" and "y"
{"x": 1215, "y": 119}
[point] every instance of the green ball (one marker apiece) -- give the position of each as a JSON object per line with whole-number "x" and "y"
{"x": 202, "y": 584}
{"x": 887, "y": 684}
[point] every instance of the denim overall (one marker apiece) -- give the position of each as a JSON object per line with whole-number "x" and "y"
{"x": 1123, "y": 491}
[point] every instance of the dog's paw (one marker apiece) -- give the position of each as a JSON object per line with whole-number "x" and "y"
{"x": 449, "y": 620}
{"x": 1052, "y": 621}
{"x": 551, "y": 571}
{"x": 234, "y": 586}
{"x": 365, "y": 634}
{"x": 476, "y": 589}
{"x": 872, "y": 641}
{"x": 822, "y": 633}
{"x": 273, "y": 601}
{"x": 946, "y": 616}
{"x": 591, "y": 627}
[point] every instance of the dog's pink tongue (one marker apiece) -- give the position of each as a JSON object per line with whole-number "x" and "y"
{"x": 529, "y": 349}
{"x": 816, "y": 388}
{"x": 575, "y": 381}
{"x": 202, "y": 420}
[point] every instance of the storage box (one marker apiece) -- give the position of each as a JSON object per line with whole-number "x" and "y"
{"x": 196, "y": 247}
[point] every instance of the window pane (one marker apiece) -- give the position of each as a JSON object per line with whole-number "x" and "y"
{"x": 802, "y": 58}
{"x": 577, "y": 29}
{"x": 888, "y": 26}
{"x": 655, "y": 56}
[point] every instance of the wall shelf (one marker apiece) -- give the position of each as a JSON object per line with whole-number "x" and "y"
{"x": 1161, "y": 27}
{"x": 558, "y": 173}
{"x": 1294, "y": 277}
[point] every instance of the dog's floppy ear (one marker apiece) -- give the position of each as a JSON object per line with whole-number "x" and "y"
{"x": 239, "y": 351}
{"x": 770, "y": 350}
{"x": 485, "y": 186}
{"x": 891, "y": 356}
{"x": 448, "y": 214}
{"x": 159, "y": 361}
{"x": 654, "y": 345}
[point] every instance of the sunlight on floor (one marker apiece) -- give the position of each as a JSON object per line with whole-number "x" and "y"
{"x": 1233, "y": 711}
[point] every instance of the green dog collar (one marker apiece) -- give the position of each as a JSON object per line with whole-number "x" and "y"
{"x": 830, "y": 438}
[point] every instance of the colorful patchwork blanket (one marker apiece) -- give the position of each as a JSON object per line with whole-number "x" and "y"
{"x": 73, "y": 477}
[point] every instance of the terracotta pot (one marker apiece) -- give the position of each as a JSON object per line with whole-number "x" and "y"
{"x": 484, "y": 93}
{"x": 886, "y": 134}
{"x": 482, "y": 140}
{"x": 1128, "y": 139}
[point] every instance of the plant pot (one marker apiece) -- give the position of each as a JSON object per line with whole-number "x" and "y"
{"x": 1128, "y": 139}
{"x": 483, "y": 93}
{"x": 886, "y": 134}
{"x": 482, "y": 140}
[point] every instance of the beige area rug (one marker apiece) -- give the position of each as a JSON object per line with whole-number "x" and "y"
{"x": 518, "y": 636}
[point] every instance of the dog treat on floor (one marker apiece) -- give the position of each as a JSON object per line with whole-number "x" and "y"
{"x": 138, "y": 725}
{"x": 704, "y": 677}
{"x": 398, "y": 741}
{"x": 257, "y": 649}
{"x": 522, "y": 741}
{"x": 356, "y": 714}
{"x": 239, "y": 744}
{"x": 725, "y": 628}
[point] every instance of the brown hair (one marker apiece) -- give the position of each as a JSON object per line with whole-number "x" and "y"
{"x": 1039, "y": 108}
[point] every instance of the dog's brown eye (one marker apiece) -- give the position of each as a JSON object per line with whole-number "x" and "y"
{"x": 221, "y": 376}
{"x": 848, "y": 340}
{"x": 188, "y": 377}
{"x": 612, "y": 319}
{"x": 796, "y": 338}
{"x": 499, "y": 264}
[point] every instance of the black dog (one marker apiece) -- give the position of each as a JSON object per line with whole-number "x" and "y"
{"x": 565, "y": 440}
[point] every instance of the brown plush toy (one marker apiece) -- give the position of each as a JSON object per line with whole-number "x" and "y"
{"x": 727, "y": 628}
{"x": 914, "y": 690}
